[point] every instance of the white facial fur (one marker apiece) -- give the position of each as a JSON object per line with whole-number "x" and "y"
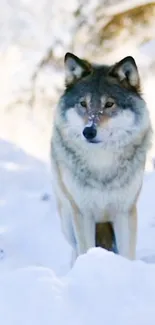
{"x": 120, "y": 130}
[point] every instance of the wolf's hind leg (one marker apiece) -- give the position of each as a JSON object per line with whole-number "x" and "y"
{"x": 105, "y": 236}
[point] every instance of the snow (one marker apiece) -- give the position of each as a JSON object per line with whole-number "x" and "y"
{"x": 36, "y": 284}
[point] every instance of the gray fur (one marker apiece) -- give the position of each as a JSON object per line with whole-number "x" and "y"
{"x": 85, "y": 176}
{"x": 103, "y": 176}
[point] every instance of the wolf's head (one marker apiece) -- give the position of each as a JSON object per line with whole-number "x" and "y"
{"x": 102, "y": 105}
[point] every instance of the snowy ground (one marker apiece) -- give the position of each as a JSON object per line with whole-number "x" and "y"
{"x": 36, "y": 285}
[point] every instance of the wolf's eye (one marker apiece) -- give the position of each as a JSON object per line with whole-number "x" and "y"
{"x": 83, "y": 103}
{"x": 109, "y": 104}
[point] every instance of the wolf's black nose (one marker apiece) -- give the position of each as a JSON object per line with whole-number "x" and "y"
{"x": 89, "y": 132}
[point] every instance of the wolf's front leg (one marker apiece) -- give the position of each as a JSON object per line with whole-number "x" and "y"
{"x": 90, "y": 231}
{"x": 84, "y": 232}
{"x": 125, "y": 227}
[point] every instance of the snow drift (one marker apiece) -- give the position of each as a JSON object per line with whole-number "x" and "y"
{"x": 36, "y": 285}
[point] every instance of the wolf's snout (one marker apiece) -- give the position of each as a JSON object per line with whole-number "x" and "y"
{"x": 89, "y": 132}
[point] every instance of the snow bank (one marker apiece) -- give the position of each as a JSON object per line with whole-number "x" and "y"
{"x": 101, "y": 289}
{"x": 29, "y": 225}
{"x": 36, "y": 286}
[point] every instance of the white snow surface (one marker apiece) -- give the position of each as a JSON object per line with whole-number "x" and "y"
{"x": 37, "y": 286}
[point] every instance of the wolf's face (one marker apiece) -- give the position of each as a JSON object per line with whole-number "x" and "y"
{"x": 102, "y": 105}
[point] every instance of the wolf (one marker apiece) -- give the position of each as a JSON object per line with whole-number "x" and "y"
{"x": 101, "y": 135}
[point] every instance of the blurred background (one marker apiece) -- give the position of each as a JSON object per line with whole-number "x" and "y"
{"x": 34, "y": 37}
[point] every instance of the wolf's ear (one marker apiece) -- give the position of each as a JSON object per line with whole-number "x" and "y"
{"x": 75, "y": 68}
{"x": 127, "y": 73}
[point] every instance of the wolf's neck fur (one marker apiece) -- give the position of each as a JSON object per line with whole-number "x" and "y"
{"x": 102, "y": 166}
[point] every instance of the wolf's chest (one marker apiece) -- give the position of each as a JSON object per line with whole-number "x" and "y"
{"x": 103, "y": 199}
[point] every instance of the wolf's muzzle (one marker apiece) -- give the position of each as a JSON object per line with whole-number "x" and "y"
{"x": 90, "y": 132}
